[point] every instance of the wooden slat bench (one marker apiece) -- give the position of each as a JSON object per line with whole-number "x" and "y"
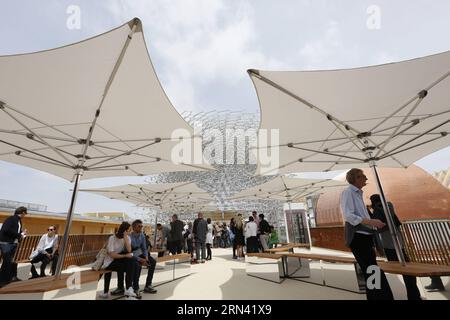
{"x": 414, "y": 269}
{"x": 50, "y": 283}
{"x": 266, "y": 266}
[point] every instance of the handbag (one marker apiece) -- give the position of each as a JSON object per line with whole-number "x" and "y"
{"x": 99, "y": 259}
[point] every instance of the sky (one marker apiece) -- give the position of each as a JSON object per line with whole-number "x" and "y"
{"x": 201, "y": 50}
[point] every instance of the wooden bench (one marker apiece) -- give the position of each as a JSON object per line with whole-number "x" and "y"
{"x": 329, "y": 270}
{"x": 266, "y": 266}
{"x": 414, "y": 269}
{"x": 76, "y": 285}
{"x": 40, "y": 287}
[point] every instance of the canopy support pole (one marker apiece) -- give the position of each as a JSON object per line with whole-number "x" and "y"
{"x": 63, "y": 247}
{"x": 156, "y": 228}
{"x": 388, "y": 214}
{"x": 285, "y": 219}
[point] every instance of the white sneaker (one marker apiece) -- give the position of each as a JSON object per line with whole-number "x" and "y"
{"x": 131, "y": 298}
{"x": 104, "y": 295}
{"x": 130, "y": 292}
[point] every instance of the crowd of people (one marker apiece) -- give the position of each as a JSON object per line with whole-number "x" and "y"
{"x": 127, "y": 252}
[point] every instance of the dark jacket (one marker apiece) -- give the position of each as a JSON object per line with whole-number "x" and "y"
{"x": 200, "y": 229}
{"x": 264, "y": 227}
{"x": 176, "y": 230}
{"x": 9, "y": 233}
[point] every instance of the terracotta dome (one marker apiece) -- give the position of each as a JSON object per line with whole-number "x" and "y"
{"x": 414, "y": 193}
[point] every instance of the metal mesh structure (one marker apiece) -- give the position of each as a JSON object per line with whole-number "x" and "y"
{"x": 228, "y": 137}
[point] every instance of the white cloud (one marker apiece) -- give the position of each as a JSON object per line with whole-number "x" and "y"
{"x": 198, "y": 42}
{"x": 329, "y": 50}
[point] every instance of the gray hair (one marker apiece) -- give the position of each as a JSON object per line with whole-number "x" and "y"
{"x": 351, "y": 175}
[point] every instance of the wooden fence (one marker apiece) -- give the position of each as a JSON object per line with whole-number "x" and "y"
{"x": 81, "y": 249}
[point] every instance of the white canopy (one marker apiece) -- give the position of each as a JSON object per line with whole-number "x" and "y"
{"x": 156, "y": 195}
{"x": 287, "y": 189}
{"x": 393, "y": 114}
{"x": 95, "y": 105}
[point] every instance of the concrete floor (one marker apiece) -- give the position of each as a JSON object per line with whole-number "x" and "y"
{"x": 224, "y": 278}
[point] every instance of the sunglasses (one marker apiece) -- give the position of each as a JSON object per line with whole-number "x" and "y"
{"x": 51, "y": 229}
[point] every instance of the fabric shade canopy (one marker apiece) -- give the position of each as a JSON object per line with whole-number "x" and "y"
{"x": 95, "y": 106}
{"x": 287, "y": 189}
{"x": 154, "y": 195}
{"x": 393, "y": 114}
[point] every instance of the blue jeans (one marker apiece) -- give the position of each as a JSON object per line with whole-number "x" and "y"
{"x": 6, "y": 271}
{"x": 137, "y": 273}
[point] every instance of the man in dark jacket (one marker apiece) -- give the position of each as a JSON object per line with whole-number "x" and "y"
{"x": 10, "y": 235}
{"x": 412, "y": 290}
{"x": 199, "y": 231}
{"x": 176, "y": 235}
{"x": 264, "y": 230}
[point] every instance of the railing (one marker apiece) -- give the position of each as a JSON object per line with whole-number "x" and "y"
{"x": 81, "y": 248}
{"x": 427, "y": 241}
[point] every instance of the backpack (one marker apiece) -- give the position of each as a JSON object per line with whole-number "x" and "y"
{"x": 99, "y": 259}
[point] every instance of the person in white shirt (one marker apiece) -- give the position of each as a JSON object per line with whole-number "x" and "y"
{"x": 251, "y": 231}
{"x": 359, "y": 233}
{"x": 45, "y": 252}
{"x": 119, "y": 259}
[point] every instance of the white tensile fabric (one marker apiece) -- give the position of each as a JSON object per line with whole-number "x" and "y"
{"x": 157, "y": 195}
{"x": 285, "y": 188}
{"x": 49, "y": 101}
{"x": 331, "y": 120}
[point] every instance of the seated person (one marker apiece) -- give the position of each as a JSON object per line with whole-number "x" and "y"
{"x": 141, "y": 258}
{"x": 45, "y": 252}
{"x": 119, "y": 259}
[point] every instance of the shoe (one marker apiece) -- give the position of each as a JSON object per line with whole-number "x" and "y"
{"x": 150, "y": 289}
{"x": 194, "y": 261}
{"x": 435, "y": 288}
{"x": 138, "y": 294}
{"x": 203, "y": 261}
{"x": 234, "y": 257}
{"x": 104, "y": 295}
{"x": 15, "y": 279}
{"x": 130, "y": 292}
{"x": 118, "y": 292}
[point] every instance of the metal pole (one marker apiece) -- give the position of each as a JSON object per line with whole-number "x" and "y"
{"x": 307, "y": 226}
{"x": 62, "y": 251}
{"x": 155, "y": 230}
{"x": 388, "y": 214}
{"x": 285, "y": 221}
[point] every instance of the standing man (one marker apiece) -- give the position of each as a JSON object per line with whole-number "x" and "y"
{"x": 10, "y": 235}
{"x": 176, "y": 235}
{"x": 359, "y": 232}
{"x": 199, "y": 231}
{"x": 264, "y": 232}
{"x": 162, "y": 233}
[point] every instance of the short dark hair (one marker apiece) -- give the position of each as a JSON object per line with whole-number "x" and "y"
{"x": 251, "y": 218}
{"x": 208, "y": 220}
{"x": 375, "y": 199}
{"x": 136, "y": 222}
{"x": 21, "y": 210}
{"x": 261, "y": 216}
{"x": 175, "y": 216}
{"x": 158, "y": 225}
{"x": 253, "y": 212}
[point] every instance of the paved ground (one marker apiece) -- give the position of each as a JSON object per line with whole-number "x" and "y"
{"x": 225, "y": 278}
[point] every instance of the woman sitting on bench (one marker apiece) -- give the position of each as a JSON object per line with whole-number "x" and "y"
{"x": 119, "y": 259}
